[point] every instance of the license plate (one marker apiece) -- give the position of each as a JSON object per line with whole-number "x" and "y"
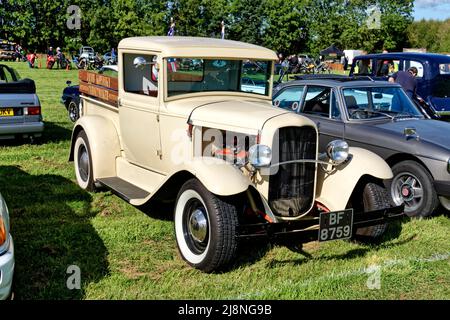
{"x": 7, "y": 112}
{"x": 336, "y": 225}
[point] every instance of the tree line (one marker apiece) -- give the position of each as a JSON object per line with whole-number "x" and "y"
{"x": 287, "y": 26}
{"x": 430, "y": 34}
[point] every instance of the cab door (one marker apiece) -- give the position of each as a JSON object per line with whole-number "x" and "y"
{"x": 139, "y": 110}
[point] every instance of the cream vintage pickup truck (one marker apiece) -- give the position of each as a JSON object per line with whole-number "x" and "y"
{"x": 189, "y": 123}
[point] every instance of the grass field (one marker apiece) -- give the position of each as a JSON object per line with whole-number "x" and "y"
{"x": 126, "y": 254}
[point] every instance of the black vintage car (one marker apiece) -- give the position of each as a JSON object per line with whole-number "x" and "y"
{"x": 433, "y": 79}
{"x": 379, "y": 116}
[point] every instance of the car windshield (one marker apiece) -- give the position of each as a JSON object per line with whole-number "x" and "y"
{"x": 190, "y": 75}
{"x": 379, "y": 102}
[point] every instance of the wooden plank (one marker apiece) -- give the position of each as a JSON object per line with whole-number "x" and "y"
{"x": 99, "y": 92}
{"x": 99, "y": 79}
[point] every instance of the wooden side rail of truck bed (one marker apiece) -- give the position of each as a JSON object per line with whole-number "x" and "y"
{"x": 99, "y": 86}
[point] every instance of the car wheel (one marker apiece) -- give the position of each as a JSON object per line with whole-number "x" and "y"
{"x": 374, "y": 197}
{"x": 83, "y": 162}
{"x": 413, "y": 186}
{"x": 74, "y": 110}
{"x": 205, "y": 227}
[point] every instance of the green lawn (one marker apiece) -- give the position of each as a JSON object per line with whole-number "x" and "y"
{"x": 126, "y": 254}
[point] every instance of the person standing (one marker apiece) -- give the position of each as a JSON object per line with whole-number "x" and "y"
{"x": 171, "y": 31}
{"x": 222, "y": 32}
{"x": 407, "y": 79}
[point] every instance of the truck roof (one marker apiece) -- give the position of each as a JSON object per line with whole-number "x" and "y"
{"x": 198, "y": 47}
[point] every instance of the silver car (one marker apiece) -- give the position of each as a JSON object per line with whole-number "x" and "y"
{"x": 6, "y": 252}
{"x": 20, "y": 108}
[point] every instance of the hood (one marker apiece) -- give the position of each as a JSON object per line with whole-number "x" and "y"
{"x": 237, "y": 115}
{"x": 429, "y": 131}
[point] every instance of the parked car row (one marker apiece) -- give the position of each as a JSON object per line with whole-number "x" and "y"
{"x": 245, "y": 169}
{"x": 196, "y": 123}
{"x": 380, "y": 117}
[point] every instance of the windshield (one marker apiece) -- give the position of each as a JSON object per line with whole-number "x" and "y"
{"x": 190, "y": 75}
{"x": 381, "y": 102}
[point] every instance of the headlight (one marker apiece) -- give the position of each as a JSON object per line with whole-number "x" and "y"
{"x": 4, "y": 226}
{"x": 337, "y": 151}
{"x": 260, "y": 155}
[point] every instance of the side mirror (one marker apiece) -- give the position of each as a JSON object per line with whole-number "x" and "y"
{"x": 139, "y": 62}
{"x": 68, "y": 82}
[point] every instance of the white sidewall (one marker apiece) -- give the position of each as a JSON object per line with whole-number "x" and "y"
{"x": 83, "y": 184}
{"x": 182, "y": 245}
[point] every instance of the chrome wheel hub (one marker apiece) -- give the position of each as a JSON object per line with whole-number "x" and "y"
{"x": 406, "y": 188}
{"x": 198, "y": 225}
{"x": 83, "y": 163}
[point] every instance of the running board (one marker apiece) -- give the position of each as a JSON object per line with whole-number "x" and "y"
{"x": 123, "y": 189}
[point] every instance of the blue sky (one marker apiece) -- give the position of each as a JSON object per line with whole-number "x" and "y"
{"x": 431, "y": 9}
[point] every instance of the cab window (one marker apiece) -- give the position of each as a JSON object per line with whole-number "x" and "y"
{"x": 141, "y": 79}
{"x": 289, "y": 98}
{"x": 417, "y": 64}
{"x": 363, "y": 67}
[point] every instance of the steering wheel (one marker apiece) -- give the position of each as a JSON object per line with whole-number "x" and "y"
{"x": 358, "y": 113}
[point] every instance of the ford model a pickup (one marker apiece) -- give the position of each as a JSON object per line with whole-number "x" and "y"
{"x": 190, "y": 123}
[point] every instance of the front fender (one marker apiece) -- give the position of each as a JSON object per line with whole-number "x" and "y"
{"x": 103, "y": 141}
{"x": 218, "y": 176}
{"x": 334, "y": 190}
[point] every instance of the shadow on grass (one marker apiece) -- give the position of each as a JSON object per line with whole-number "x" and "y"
{"x": 50, "y": 224}
{"x": 351, "y": 254}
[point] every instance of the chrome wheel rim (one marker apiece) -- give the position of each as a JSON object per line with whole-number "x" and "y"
{"x": 83, "y": 163}
{"x": 196, "y": 226}
{"x": 407, "y": 188}
{"x": 73, "y": 111}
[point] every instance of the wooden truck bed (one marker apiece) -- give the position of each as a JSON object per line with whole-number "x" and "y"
{"x": 99, "y": 86}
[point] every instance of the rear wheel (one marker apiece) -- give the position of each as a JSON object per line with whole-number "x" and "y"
{"x": 374, "y": 197}
{"x": 413, "y": 186}
{"x": 205, "y": 227}
{"x": 73, "y": 109}
{"x": 83, "y": 162}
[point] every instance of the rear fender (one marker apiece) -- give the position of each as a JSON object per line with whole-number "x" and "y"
{"x": 334, "y": 189}
{"x": 103, "y": 141}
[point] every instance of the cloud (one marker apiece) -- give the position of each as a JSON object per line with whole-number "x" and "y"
{"x": 430, "y": 3}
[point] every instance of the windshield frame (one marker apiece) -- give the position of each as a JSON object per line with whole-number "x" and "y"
{"x": 165, "y": 76}
{"x": 381, "y": 118}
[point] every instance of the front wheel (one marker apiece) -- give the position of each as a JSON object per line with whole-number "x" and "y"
{"x": 374, "y": 197}
{"x": 413, "y": 186}
{"x": 205, "y": 227}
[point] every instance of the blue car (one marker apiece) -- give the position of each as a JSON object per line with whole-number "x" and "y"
{"x": 433, "y": 79}
{"x": 71, "y": 94}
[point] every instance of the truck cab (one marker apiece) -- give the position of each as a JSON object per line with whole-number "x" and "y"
{"x": 189, "y": 123}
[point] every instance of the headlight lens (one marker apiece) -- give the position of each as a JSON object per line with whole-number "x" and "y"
{"x": 260, "y": 155}
{"x": 4, "y": 225}
{"x": 337, "y": 151}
